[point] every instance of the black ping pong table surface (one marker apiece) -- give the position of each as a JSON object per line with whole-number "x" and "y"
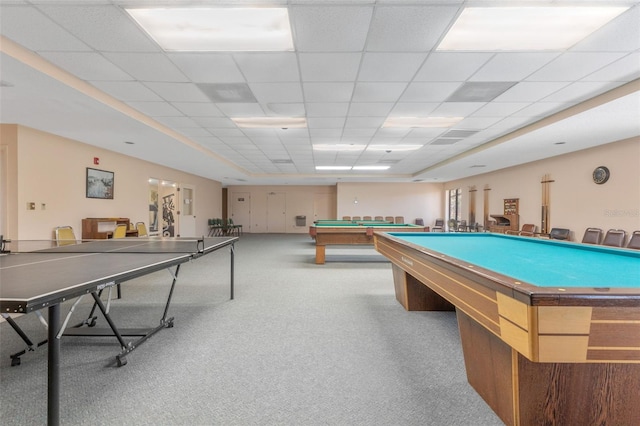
{"x": 45, "y": 278}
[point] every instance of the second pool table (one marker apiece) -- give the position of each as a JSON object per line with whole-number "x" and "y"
{"x": 350, "y": 234}
{"x": 550, "y": 330}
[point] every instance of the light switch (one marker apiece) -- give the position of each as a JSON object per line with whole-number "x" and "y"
{"x": 31, "y": 206}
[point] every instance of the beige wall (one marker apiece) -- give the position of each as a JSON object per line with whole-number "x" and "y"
{"x": 576, "y": 202}
{"x": 51, "y": 170}
{"x": 410, "y": 200}
{"x": 299, "y": 201}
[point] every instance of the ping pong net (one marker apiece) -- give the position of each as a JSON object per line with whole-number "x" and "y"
{"x": 150, "y": 245}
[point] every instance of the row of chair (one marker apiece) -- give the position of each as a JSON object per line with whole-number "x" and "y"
{"x": 612, "y": 238}
{"x": 390, "y": 219}
{"x": 222, "y": 227}
{"x": 66, "y": 236}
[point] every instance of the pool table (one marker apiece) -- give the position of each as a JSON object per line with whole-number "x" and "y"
{"x": 550, "y": 330}
{"x": 350, "y": 234}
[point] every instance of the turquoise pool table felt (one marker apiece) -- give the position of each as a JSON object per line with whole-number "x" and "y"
{"x": 539, "y": 262}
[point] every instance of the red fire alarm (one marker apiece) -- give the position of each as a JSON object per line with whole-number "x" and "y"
{"x": 96, "y": 161}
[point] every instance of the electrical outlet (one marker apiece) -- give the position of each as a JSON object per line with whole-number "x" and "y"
{"x": 31, "y": 206}
{"x": 43, "y": 206}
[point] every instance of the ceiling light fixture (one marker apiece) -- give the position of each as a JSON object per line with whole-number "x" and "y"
{"x": 391, "y": 148}
{"x": 270, "y": 122}
{"x": 333, "y": 167}
{"x": 217, "y": 29}
{"x": 338, "y": 147}
{"x": 409, "y": 122}
{"x": 525, "y": 28}
{"x": 371, "y": 167}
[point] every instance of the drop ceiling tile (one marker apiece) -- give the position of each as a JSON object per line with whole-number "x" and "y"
{"x": 147, "y": 66}
{"x": 378, "y": 92}
{"x": 513, "y": 66}
{"x": 215, "y": 122}
{"x": 240, "y": 110}
{"x": 208, "y": 67}
{"x": 329, "y": 109}
{"x": 293, "y": 134}
{"x": 104, "y": 27}
{"x": 358, "y": 133}
{"x": 390, "y": 66}
{"x": 127, "y": 90}
{"x": 574, "y": 66}
{"x": 499, "y": 109}
{"x": 193, "y": 131}
{"x": 457, "y": 109}
{"x": 364, "y": 122}
{"x": 540, "y": 109}
{"x": 325, "y": 133}
{"x": 276, "y": 92}
{"x": 624, "y": 69}
{"x": 426, "y": 132}
{"x": 290, "y": 109}
{"x": 365, "y": 109}
{"x": 268, "y": 67}
{"x": 329, "y": 66}
{"x": 327, "y": 92}
{"x": 178, "y": 122}
{"x": 580, "y": 91}
{"x": 28, "y": 27}
{"x": 395, "y": 132}
{"x": 198, "y": 109}
{"x": 477, "y": 123}
{"x": 325, "y": 123}
{"x": 530, "y": 91}
{"x": 413, "y": 109}
{"x": 621, "y": 34}
{"x": 326, "y": 29}
{"x": 444, "y": 66}
{"x": 429, "y": 92}
{"x": 407, "y": 28}
{"x": 155, "y": 109}
{"x": 178, "y": 92}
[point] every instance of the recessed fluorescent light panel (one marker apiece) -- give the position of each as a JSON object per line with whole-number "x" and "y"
{"x": 525, "y": 28}
{"x": 338, "y": 147}
{"x": 333, "y": 167}
{"x": 217, "y": 29}
{"x": 406, "y": 122}
{"x": 393, "y": 148}
{"x": 371, "y": 167}
{"x": 270, "y": 122}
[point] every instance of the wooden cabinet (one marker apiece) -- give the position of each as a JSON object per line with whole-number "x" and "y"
{"x": 96, "y": 228}
{"x": 509, "y": 220}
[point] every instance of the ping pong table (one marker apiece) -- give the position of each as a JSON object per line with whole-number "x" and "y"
{"x": 45, "y": 278}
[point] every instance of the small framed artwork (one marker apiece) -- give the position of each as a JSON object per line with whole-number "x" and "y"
{"x": 100, "y": 184}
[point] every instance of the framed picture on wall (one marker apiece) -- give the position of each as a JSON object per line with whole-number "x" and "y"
{"x": 100, "y": 184}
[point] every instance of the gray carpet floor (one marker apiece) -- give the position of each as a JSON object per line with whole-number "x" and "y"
{"x": 301, "y": 344}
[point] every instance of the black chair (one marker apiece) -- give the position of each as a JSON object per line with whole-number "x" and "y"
{"x": 592, "y": 236}
{"x": 439, "y": 226}
{"x": 634, "y": 241}
{"x": 559, "y": 234}
{"x": 419, "y": 221}
{"x": 614, "y": 238}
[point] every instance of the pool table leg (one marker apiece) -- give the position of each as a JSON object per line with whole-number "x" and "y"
{"x": 415, "y": 296}
{"x": 320, "y": 254}
{"x": 522, "y": 392}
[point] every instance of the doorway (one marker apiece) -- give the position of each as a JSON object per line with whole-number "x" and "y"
{"x": 276, "y": 212}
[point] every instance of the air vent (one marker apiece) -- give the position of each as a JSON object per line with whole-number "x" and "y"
{"x": 480, "y": 91}
{"x": 228, "y": 92}
{"x": 477, "y": 166}
{"x": 459, "y": 133}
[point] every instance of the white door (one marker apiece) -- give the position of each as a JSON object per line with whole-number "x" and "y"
{"x": 324, "y": 207}
{"x": 3, "y": 191}
{"x": 186, "y": 212}
{"x": 241, "y": 210}
{"x": 276, "y": 212}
